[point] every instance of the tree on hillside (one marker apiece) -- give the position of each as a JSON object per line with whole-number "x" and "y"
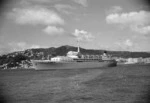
{"x": 13, "y": 60}
{"x": 18, "y": 58}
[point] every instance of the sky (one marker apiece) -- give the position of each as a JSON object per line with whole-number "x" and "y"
{"x": 118, "y": 25}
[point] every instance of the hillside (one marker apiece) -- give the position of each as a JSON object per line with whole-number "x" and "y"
{"x": 64, "y": 49}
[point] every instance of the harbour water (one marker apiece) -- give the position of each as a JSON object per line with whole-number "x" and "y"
{"x": 123, "y": 83}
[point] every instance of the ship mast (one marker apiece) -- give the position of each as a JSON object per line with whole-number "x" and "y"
{"x": 78, "y": 46}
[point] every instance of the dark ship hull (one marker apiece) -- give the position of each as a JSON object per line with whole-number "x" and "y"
{"x": 47, "y": 65}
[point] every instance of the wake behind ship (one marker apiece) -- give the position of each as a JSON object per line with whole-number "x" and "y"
{"x": 75, "y": 60}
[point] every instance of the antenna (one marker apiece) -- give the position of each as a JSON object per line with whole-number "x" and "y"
{"x": 78, "y": 46}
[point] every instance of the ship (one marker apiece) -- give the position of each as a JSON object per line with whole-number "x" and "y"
{"x": 75, "y": 60}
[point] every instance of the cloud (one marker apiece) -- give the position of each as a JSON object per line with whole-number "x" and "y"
{"x": 64, "y": 8}
{"x": 20, "y": 46}
{"x": 104, "y": 47}
{"x": 3, "y": 49}
{"x": 84, "y": 3}
{"x": 36, "y": 15}
{"x": 126, "y": 45}
{"x": 17, "y": 46}
{"x": 136, "y": 21}
{"x": 35, "y": 46}
{"x": 82, "y": 35}
{"x": 115, "y": 9}
{"x": 53, "y": 30}
{"x": 31, "y": 3}
{"x": 39, "y": 16}
{"x": 142, "y": 30}
{"x": 136, "y": 18}
{"x": 41, "y": 1}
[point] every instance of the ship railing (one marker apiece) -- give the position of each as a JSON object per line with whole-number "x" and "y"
{"x": 87, "y": 59}
{"x": 42, "y": 60}
{"x": 91, "y": 57}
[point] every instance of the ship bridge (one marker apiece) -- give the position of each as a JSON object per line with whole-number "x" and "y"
{"x": 72, "y": 54}
{"x": 61, "y": 59}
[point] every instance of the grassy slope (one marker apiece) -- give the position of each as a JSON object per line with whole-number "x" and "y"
{"x": 121, "y": 84}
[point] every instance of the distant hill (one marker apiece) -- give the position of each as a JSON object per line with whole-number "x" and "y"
{"x": 64, "y": 49}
